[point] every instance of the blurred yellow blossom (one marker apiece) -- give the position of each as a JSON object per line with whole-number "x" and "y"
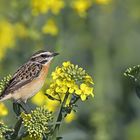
{"x": 21, "y": 30}
{"x": 103, "y": 1}
{"x": 43, "y": 6}
{"x": 56, "y": 5}
{"x": 51, "y": 105}
{"x": 50, "y": 28}
{"x": 72, "y": 79}
{"x": 41, "y": 100}
{"x": 81, "y": 6}
{"x": 39, "y": 6}
{"x": 70, "y": 117}
{"x": 7, "y": 37}
{"x": 3, "y": 110}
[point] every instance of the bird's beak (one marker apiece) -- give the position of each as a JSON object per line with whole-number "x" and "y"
{"x": 55, "y": 54}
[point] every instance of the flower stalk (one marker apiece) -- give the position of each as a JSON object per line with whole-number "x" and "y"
{"x": 60, "y": 113}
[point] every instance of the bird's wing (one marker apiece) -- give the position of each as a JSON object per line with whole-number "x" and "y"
{"x": 23, "y": 76}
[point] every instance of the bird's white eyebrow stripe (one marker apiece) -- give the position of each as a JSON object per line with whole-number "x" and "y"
{"x": 45, "y": 53}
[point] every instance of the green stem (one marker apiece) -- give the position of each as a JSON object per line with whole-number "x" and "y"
{"x": 22, "y": 136}
{"x": 14, "y": 135}
{"x": 60, "y": 117}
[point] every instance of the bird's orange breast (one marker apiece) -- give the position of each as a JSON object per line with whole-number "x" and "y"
{"x": 44, "y": 71}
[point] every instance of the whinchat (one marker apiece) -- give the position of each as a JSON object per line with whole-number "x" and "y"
{"x": 29, "y": 78}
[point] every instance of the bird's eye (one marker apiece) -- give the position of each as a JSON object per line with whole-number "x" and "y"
{"x": 44, "y": 55}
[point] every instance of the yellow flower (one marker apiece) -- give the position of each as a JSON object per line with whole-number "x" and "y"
{"x": 103, "y": 1}
{"x": 43, "y": 6}
{"x": 72, "y": 86}
{"x": 7, "y": 37}
{"x": 58, "y": 81}
{"x": 70, "y": 117}
{"x": 50, "y": 28}
{"x": 20, "y": 30}
{"x": 56, "y": 5}
{"x": 3, "y": 110}
{"x": 89, "y": 79}
{"x": 84, "y": 91}
{"x": 81, "y": 6}
{"x": 39, "y": 98}
{"x": 51, "y": 105}
{"x": 39, "y": 6}
{"x": 56, "y": 74}
{"x": 62, "y": 89}
{"x": 66, "y": 64}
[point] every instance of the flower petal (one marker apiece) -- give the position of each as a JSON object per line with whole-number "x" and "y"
{"x": 78, "y": 92}
{"x": 83, "y": 86}
{"x": 83, "y": 97}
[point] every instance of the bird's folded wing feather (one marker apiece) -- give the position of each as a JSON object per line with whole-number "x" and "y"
{"x": 23, "y": 76}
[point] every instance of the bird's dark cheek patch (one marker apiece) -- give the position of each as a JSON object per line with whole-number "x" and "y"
{"x": 44, "y": 61}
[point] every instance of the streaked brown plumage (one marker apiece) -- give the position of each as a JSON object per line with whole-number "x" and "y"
{"x": 29, "y": 78}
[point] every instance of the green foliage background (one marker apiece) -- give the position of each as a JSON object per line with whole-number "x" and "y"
{"x": 105, "y": 43}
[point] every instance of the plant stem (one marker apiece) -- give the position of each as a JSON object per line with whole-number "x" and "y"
{"x": 14, "y": 135}
{"x": 22, "y": 135}
{"x": 60, "y": 117}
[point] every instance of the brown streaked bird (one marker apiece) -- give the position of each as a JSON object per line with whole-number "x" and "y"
{"x": 29, "y": 78}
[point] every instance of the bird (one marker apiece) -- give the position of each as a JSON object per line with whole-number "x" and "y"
{"x": 29, "y": 78}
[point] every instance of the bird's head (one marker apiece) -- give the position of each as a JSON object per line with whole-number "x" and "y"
{"x": 43, "y": 57}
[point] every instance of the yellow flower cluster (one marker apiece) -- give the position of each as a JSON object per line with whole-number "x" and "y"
{"x": 7, "y": 37}
{"x": 72, "y": 79}
{"x": 37, "y": 122}
{"x": 8, "y": 34}
{"x": 44, "y": 6}
{"x": 50, "y": 28}
{"x": 4, "y": 129}
{"x": 81, "y": 6}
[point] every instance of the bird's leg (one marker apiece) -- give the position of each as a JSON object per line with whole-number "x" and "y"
{"x": 25, "y": 107}
{"x": 16, "y": 108}
{"x": 18, "y": 105}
